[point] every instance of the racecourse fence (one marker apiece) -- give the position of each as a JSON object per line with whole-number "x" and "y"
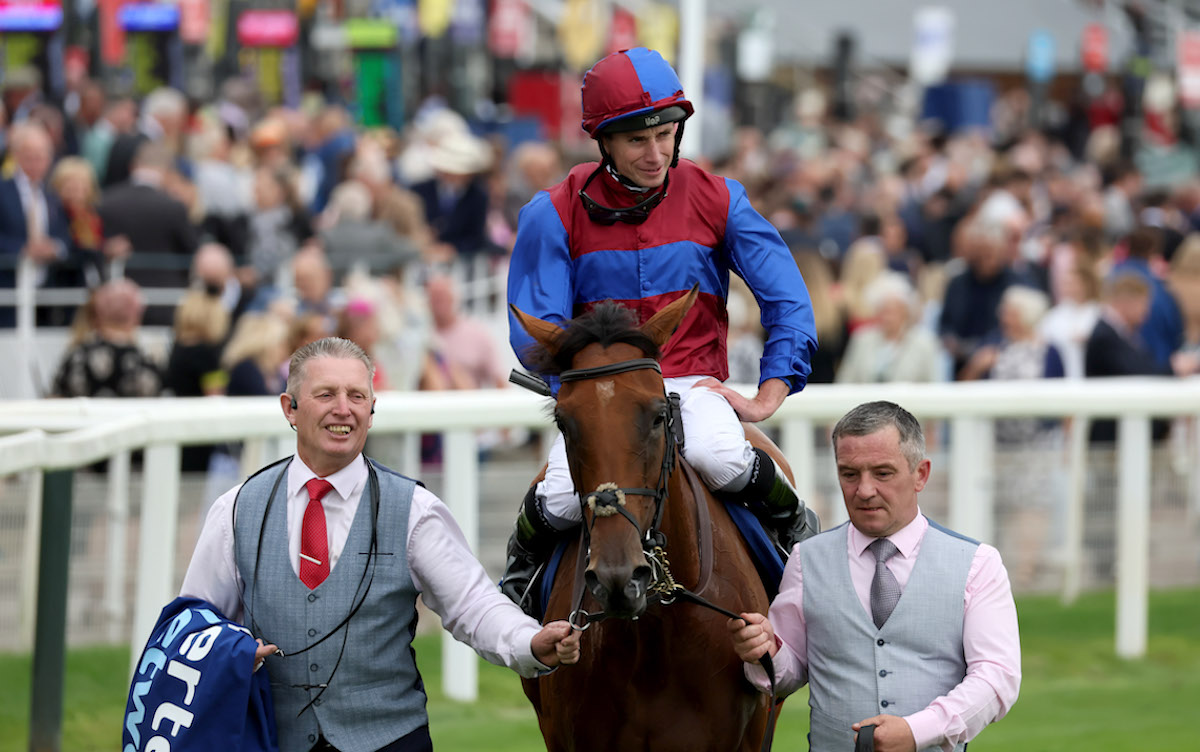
{"x": 1065, "y": 516}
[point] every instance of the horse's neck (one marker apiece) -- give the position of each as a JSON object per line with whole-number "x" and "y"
{"x": 680, "y": 525}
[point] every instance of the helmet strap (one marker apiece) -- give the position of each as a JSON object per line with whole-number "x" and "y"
{"x": 678, "y": 141}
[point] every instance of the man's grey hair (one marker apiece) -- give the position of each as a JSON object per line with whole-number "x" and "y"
{"x": 870, "y": 417}
{"x": 329, "y": 347}
{"x": 165, "y": 101}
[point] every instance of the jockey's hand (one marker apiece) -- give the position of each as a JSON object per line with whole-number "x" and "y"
{"x": 770, "y": 396}
{"x": 556, "y": 644}
{"x": 892, "y": 733}
{"x": 752, "y": 636}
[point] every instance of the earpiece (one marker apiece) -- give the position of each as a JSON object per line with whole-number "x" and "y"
{"x": 372, "y": 408}
{"x": 294, "y": 403}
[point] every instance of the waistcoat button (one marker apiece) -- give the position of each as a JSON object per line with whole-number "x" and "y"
{"x": 882, "y": 672}
{"x": 312, "y": 597}
{"x": 877, "y": 642}
{"x": 313, "y": 667}
{"x": 884, "y": 704}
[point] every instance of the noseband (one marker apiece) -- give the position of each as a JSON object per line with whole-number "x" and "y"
{"x": 608, "y": 498}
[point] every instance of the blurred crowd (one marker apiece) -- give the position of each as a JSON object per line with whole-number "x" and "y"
{"x": 1009, "y": 253}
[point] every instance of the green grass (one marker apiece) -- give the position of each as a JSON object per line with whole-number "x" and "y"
{"x": 1076, "y": 693}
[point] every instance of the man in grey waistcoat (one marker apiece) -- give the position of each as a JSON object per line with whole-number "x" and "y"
{"x": 891, "y": 619}
{"x": 324, "y": 554}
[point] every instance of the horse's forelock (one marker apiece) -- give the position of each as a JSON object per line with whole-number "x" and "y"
{"x": 607, "y": 324}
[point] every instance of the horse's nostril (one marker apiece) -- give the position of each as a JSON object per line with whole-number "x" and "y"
{"x": 638, "y": 584}
{"x": 598, "y": 591}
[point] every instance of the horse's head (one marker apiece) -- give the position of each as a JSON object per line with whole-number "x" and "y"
{"x": 614, "y": 416}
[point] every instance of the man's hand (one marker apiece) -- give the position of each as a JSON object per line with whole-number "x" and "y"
{"x": 892, "y": 733}
{"x": 42, "y": 250}
{"x": 261, "y": 653}
{"x": 556, "y": 645}
{"x": 770, "y": 396}
{"x": 117, "y": 247}
{"x": 752, "y": 636}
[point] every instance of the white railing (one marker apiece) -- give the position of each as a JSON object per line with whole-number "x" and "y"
{"x": 88, "y": 430}
{"x": 31, "y": 353}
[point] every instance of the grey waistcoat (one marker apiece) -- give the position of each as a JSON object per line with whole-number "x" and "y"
{"x": 376, "y": 696}
{"x": 856, "y": 671}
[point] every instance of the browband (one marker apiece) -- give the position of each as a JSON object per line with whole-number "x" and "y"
{"x": 637, "y": 364}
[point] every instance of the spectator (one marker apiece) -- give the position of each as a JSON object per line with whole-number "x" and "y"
{"x": 1070, "y": 322}
{"x": 456, "y": 201}
{"x": 75, "y": 185}
{"x": 161, "y": 237}
{"x": 828, "y": 314}
{"x": 254, "y": 355}
{"x": 359, "y": 323}
{"x": 120, "y": 117}
{"x": 1115, "y": 348}
{"x": 973, "y": 295}
{"x": 194, "y": 365}
{"x": 223, "y": 190}
{"x": 863, "y": 264}
{"x": 357, "y": 242}
{"x": 1124, "y": 185}
{"x": 278, "y": 224}
{"x": 1184, "y": 283}
{"x": 313, "y": 281}
{"x": 464, "y": 343}
{"x": 893, "y": 348}
{"x": 107, "y": 362}
{"x": 33, "y": 223}
{"x": 1029, "y": 450}
{"x": 213, "y": 272}
{"x": 1162, "y": 330}
{"x": 164, "y": 115}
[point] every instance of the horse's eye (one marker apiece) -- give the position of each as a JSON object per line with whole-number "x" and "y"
{"x": 659, "y": 420}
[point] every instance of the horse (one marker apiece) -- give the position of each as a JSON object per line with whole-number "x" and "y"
{"x": 655, "y": 673}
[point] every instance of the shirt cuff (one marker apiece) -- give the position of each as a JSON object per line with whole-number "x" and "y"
{"x": 526, "y": 665}
{"x": 926, "y": 729}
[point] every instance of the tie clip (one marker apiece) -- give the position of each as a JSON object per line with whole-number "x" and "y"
{"x": 309, "y": 558}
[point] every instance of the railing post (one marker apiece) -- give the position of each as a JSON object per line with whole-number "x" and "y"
{"x": 1133, "y": 532}
{"x": 796, "y": 439}
{"x": 971, "y": 460}
{"x": 29, "y": 563}
{"x": 49, "y": 647}
{"x": 156, "y": 544}
{"x": 118, "y": 523}
{"x": 460, "y": 457}
{"x": 1073, "y": 533}
{"x": 26, "y": 318}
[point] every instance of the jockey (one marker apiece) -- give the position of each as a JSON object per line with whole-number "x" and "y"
{"x": 641, "y": 228}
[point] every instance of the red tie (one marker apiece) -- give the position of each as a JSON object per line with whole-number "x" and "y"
{"x": 314, "y": 541}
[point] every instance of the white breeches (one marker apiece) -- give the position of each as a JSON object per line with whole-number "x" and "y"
{"x": 715, "y": 446}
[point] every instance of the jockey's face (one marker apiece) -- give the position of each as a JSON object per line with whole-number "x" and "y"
{"x": 643, "y": 156}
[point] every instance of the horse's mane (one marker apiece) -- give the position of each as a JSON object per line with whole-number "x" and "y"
{"x": 607, "y": 324}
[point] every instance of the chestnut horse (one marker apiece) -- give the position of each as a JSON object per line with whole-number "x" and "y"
{"x": 657, "y": 671}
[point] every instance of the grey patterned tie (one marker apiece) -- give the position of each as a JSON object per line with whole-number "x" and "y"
{"x": 885, "y": 591}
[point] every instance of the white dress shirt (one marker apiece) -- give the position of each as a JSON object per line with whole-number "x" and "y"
{"x": 450, "y": 579}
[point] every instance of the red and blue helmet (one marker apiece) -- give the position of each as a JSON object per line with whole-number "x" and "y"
{"x": 630, "y": 90}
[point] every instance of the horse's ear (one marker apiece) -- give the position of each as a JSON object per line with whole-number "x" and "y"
{"x": 543, "y": 332}
{"x": 663, "y": 324}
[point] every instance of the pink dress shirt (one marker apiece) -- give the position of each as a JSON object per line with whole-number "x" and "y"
{"x": 451, "y": 580}
{"x": 991, "y": 642}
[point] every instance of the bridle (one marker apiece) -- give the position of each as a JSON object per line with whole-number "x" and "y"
{"x": 609, "y": 499}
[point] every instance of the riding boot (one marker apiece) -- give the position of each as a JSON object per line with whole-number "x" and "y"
{"x": 532, "y": 540}
{"x": 773, "y": 499}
